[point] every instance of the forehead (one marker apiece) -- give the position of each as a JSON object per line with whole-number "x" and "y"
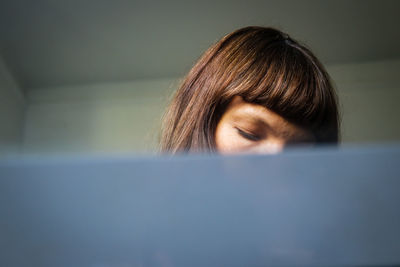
{"x": 242, "y": 112}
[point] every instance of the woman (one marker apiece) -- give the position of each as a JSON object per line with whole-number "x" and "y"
{"x": 255, "y": 91}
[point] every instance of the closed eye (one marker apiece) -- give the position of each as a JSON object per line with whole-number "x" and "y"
{"x": 249, "y": 136}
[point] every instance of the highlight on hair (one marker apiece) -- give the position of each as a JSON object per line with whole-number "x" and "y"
{"x": 264, "y": 66}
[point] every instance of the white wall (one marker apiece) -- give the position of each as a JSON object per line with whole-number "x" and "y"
{"x": 12, "y": 107}
{"x": 125, "y": 117}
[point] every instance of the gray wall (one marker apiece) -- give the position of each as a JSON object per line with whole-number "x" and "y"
{"x": 12, "y": 108}
{"x": 369, "y": 94}
{"x": 98, "y": 118}
{"x": 125, "y": 117}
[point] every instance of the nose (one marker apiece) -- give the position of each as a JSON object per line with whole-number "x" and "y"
{"x": 270, "y": 147}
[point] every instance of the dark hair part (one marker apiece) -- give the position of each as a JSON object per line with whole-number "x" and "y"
{"x": 262, "y": 65}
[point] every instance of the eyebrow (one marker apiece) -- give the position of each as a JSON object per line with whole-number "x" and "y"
{"x": 254, "y": 118}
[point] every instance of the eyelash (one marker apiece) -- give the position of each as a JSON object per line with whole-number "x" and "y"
{"x": 247, "y": 135}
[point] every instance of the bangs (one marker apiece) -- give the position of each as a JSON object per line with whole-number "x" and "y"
{"x": 287, "y": 79}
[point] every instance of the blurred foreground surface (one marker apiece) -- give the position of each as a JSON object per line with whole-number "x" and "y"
{"x": 303, "y": 207}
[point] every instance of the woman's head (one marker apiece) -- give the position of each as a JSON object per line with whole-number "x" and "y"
{"x": 258, "y": 67}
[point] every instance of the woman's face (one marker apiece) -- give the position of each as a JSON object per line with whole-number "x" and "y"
{"x": 252, "y": 128}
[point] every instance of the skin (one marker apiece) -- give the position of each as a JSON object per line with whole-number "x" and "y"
{"x": 251, "y": 128}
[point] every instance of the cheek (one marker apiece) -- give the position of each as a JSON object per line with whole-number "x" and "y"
{"x": 228, "y": 141}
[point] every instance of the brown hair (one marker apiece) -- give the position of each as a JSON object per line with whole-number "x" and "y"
{"x": 264, "y": 66}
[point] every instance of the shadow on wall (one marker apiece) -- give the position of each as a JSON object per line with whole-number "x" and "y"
{"x": 12, "y": 110}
